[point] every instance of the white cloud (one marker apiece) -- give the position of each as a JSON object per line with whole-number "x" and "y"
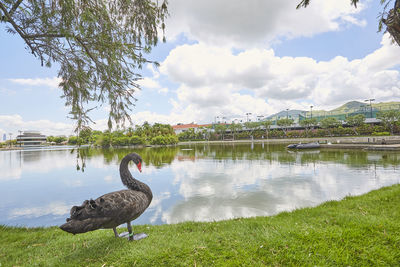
{"x": 49, "y": 82}
{"x": 256, "y": 22}
{"x": 163, "y": 90}
{"x": 109, "y": 179}
{"x": 214, "y": 81}
{"x": 14, "y": 123}
{"x": 148, "y": 83}
{"x": 5, "y": 91}
{"x": 153, "y": 70}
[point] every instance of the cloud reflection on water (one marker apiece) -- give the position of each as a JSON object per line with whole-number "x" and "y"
{"x": 54, "y": 208}
{"x": 225, "y": 189}
{"x": 205, "y": 183}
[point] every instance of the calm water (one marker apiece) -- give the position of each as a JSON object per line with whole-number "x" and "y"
{"x": 199, "y": 183}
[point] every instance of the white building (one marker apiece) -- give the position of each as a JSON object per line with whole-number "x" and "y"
{"x": 31, "y": 138}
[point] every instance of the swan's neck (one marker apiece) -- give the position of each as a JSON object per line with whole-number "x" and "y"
{"x": 129, "y": 181}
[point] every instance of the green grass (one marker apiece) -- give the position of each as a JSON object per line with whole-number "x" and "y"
{"x": 357, "y": 231}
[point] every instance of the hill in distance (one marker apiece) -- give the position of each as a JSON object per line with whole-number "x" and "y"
{"x": 349, "y": 107}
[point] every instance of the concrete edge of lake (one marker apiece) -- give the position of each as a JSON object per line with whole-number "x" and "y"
{"x": 358, "y": 142}
{"x": 347, "y": 142}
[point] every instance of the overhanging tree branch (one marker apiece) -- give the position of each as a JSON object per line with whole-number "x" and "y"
{"x": 14, "y": 7}
{"x": 99, "y": 46}
{"x": 391, "y": 18}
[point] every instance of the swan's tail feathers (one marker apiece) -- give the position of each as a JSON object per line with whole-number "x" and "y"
{"x": 77, "y": 227}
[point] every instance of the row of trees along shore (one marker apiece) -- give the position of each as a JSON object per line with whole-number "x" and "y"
{"x": 163, "y": 134}
{"x": 146, "y": 134}
{"x": 310, "y": 127}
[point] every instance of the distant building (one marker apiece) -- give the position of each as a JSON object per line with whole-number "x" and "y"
{"x": 31, "y": 138}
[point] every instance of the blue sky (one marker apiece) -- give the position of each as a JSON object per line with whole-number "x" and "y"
{"x": 226, "y": 58}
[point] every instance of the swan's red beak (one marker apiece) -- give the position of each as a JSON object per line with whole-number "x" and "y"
{"x": 139, "y": 166}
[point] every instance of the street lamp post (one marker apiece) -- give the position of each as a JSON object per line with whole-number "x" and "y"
{"x": 247, "y": 114}
{"x": 287, "y": 113}
{"x": 311, "y": 110}
{"x": 10, "y": 134}
{"x": 370, "y": 103}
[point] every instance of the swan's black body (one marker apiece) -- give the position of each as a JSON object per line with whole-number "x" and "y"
{"x": 112, "y": 209}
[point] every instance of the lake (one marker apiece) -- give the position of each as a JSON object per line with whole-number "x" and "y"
{"x": 189, "y": 183}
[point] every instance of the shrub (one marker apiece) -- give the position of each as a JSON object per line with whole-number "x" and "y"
{"x": 73, "y": 140}
{"x": 365, "y": 129}
{"x": 120, "y": 141}
{"x": 380, "y": 133}
{"x": 136, "y": 140}
{"x": 164, "y": 140}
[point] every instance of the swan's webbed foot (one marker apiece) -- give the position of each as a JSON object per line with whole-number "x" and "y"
{"x": 124, "y": 234}
{"x": 139, "y": 236}
{"x": 132, "y": 236}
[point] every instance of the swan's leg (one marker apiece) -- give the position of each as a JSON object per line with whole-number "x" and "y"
{"x": 115, "y": 232}
{"x": 130, "y": 234}
{"x": 130, "y": 231}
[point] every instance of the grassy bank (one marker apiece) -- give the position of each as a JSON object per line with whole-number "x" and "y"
{"x": 357, "y": 231}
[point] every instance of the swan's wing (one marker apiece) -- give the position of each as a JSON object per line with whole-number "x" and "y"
{"x": 125, "y": 204}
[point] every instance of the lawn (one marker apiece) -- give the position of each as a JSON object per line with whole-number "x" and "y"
{"x": 356, "y": 231}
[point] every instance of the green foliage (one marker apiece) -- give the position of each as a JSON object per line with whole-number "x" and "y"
{"x": 329, "y": 122}
{"x": 277, "y": 133}
{"x": 136, "y": 140}
{"x": 84, "y": 135}
{"x": 380, "y": 133}
{"x": 60, "y": 139}
{"x": 235, "y": 127}
{"x": 356, "y": 120}
{"x": 190, "y": 134}
{"x": 164, "y": 140}
{"x": 389, "y": 118}
{"x": 99, "y": 46}
{"x": 145, "y": 134}
{"x": 308, "y": 123}
{"x": 285, "y": 122}
{"x": 220, "y": 129}
{"x": 73, "y": 140}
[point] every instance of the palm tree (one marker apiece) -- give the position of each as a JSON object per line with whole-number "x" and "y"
{"x": 234, "y": 127}
{"x": 221, "y": 128}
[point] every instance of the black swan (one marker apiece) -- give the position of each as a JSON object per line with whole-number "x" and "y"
{"x": 115, "y": 208}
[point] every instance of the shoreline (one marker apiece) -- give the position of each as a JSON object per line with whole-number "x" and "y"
{"x": 358, "y": 142}
{"x": 344, "y": 142}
